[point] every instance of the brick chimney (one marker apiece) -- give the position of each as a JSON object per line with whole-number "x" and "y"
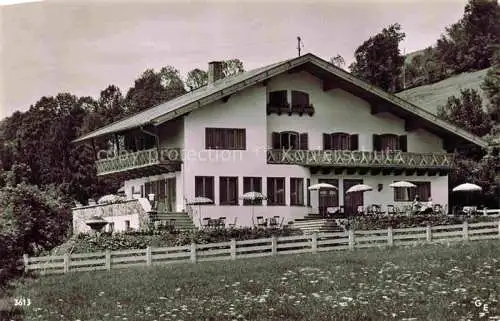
{"x": 215, "y": 71}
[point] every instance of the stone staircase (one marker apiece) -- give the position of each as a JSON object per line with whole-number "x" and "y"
{"x": 316, "y": 223}
{"x": 177, "y": 220}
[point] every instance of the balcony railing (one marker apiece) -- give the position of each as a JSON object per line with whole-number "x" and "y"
{"x": 134, "y": 160}
{"x": 390, "y": 159}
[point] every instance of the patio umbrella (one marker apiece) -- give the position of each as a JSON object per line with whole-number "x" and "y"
{"x": 317, "y": 187}
{"x": 359, "y": 188}
{"x": 252, "y": 196}
{"x": 200, "y": 200}
{"x": 467, "y": 187}
{"x": 403, "y": 184}
{"x": 323, "y": 186}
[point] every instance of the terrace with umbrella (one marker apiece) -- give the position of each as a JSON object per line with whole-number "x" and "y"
{"x": 468, "y": 189}
{"x": 361, "y": 188}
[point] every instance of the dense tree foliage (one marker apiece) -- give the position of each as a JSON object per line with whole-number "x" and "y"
{"x": 379, "y": 61}
{"x": 197, "y": 78}
{"x": 469, "y": 44}
{"x": 467, "y": 112}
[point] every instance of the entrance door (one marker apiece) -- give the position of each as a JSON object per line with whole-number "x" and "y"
{"x": 352, "y": 200}
{"x": 328, "y": 197}
{"x": 170, "y": 194}
{"x": 164, "y": 190}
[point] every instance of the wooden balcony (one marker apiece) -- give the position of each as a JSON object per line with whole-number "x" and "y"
{"x": 360, "y": 159}
{"x": 145, "y": 162}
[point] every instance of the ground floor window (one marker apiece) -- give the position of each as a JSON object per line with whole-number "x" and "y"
{"x": 252, "y": 184}
{"x": 204, "y": 186}
{"x": 276, "y": 191}
{"x": 228, "y": 187}
{"x": 423, "y": 190}
{"x": 296, "y": 191}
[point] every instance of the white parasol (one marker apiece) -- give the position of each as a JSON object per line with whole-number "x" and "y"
{"x": 317, "y": 187}
{"x": 359, "y": 188}
{"x": 200, "y": 200}
{"x": 252, "y": 196}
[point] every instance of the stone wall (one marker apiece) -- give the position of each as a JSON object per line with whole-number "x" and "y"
{"x": 132, "y": 211}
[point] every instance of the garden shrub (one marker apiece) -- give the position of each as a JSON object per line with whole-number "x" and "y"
{"x": 31, "y": 221}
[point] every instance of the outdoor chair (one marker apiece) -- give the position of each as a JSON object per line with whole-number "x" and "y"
{"x": 273, "y": 222}
{"x": 391, "y": 210}
{"x": 361, "y": 210}
{"x": 233, "y": 225}
{"x": 260, "y": 221}
{"x": 222, "y": 222}
{"x": 205, "y": 222}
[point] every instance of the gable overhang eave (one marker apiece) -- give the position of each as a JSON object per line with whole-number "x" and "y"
{"x": 251, "y": 81}
{"x": 401, "y": 103}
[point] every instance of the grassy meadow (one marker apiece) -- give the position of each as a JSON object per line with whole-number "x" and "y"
{"x": 430, "y": 282}
{"x": 431, "y": 96}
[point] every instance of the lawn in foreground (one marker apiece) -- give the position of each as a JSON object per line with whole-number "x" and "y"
{"x": 431, "y": 282}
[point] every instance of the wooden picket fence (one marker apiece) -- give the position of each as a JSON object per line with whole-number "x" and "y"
{"x": 232, "y": 250}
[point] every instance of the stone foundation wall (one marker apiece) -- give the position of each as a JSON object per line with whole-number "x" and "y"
{"x": 118, "y": 213}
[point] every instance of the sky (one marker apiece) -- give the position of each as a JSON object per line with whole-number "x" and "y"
{"x": 81, "y": 47}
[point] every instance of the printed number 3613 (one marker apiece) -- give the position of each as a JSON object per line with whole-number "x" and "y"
{"x": 22, "y": 302}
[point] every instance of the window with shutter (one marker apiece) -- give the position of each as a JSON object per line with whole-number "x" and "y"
{"x": 252, "y": 184}
{"x": 354, "y": 142}
{"x": 376, "y": 142}
{"x": 276, "y": 191}
{"x": 403, "y": 143}
{"x": 296, "y": 191}
{"x": 278, "y": 98}
{"x": 389, "y": 142}
{"x": 304, "y": 141}
{"x": 327, "y": 142}
{"x": 300, "y": 99}
{"x": 341, "y": 141}
{"x": 225, "y": 138}
{"x": 276, "y": 140}
{"x": 308, "y": 192}
{"x": 228, "y": 187}
{"x": 204, "y": 187}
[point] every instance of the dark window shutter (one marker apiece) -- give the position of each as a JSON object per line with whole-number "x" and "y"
{"x": 276, "y": 140}
{"x": 354, "y": 142}
{"x": 327, "y": 142}
{"x": 376, "y": 142}
{"x": 303, "y": 141}
{"x": 403, "y": 143}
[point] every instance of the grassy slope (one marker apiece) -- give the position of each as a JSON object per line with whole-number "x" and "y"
{"x": 431, "y": 96}
{"x": 433, "y": 282}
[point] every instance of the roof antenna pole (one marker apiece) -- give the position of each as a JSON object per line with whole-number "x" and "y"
{"x": 299, "y": 44}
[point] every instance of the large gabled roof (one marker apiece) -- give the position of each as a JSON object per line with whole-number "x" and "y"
{"x": 227, "y": 86}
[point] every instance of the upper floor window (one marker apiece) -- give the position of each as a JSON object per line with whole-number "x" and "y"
{"x": 289, "y": 140}
{"x": 300, "y": 99}
{"x": 390, "y": 142}
{"x": 278, "y": 98}
{"x": 340, "y": 141}
{"x": 278, "y": 103}
{"x": 225, "y": 138}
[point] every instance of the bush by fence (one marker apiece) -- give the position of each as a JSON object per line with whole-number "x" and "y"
{"x": 270, "y": 246}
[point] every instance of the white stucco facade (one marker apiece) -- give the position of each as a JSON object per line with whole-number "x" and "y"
{"x": 335, "y": 111}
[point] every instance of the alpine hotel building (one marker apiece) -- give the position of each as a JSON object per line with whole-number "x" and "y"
{"x": 277, "y": 130}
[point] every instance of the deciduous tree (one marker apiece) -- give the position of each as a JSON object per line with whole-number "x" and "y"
{"x": 379, "y": 61}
